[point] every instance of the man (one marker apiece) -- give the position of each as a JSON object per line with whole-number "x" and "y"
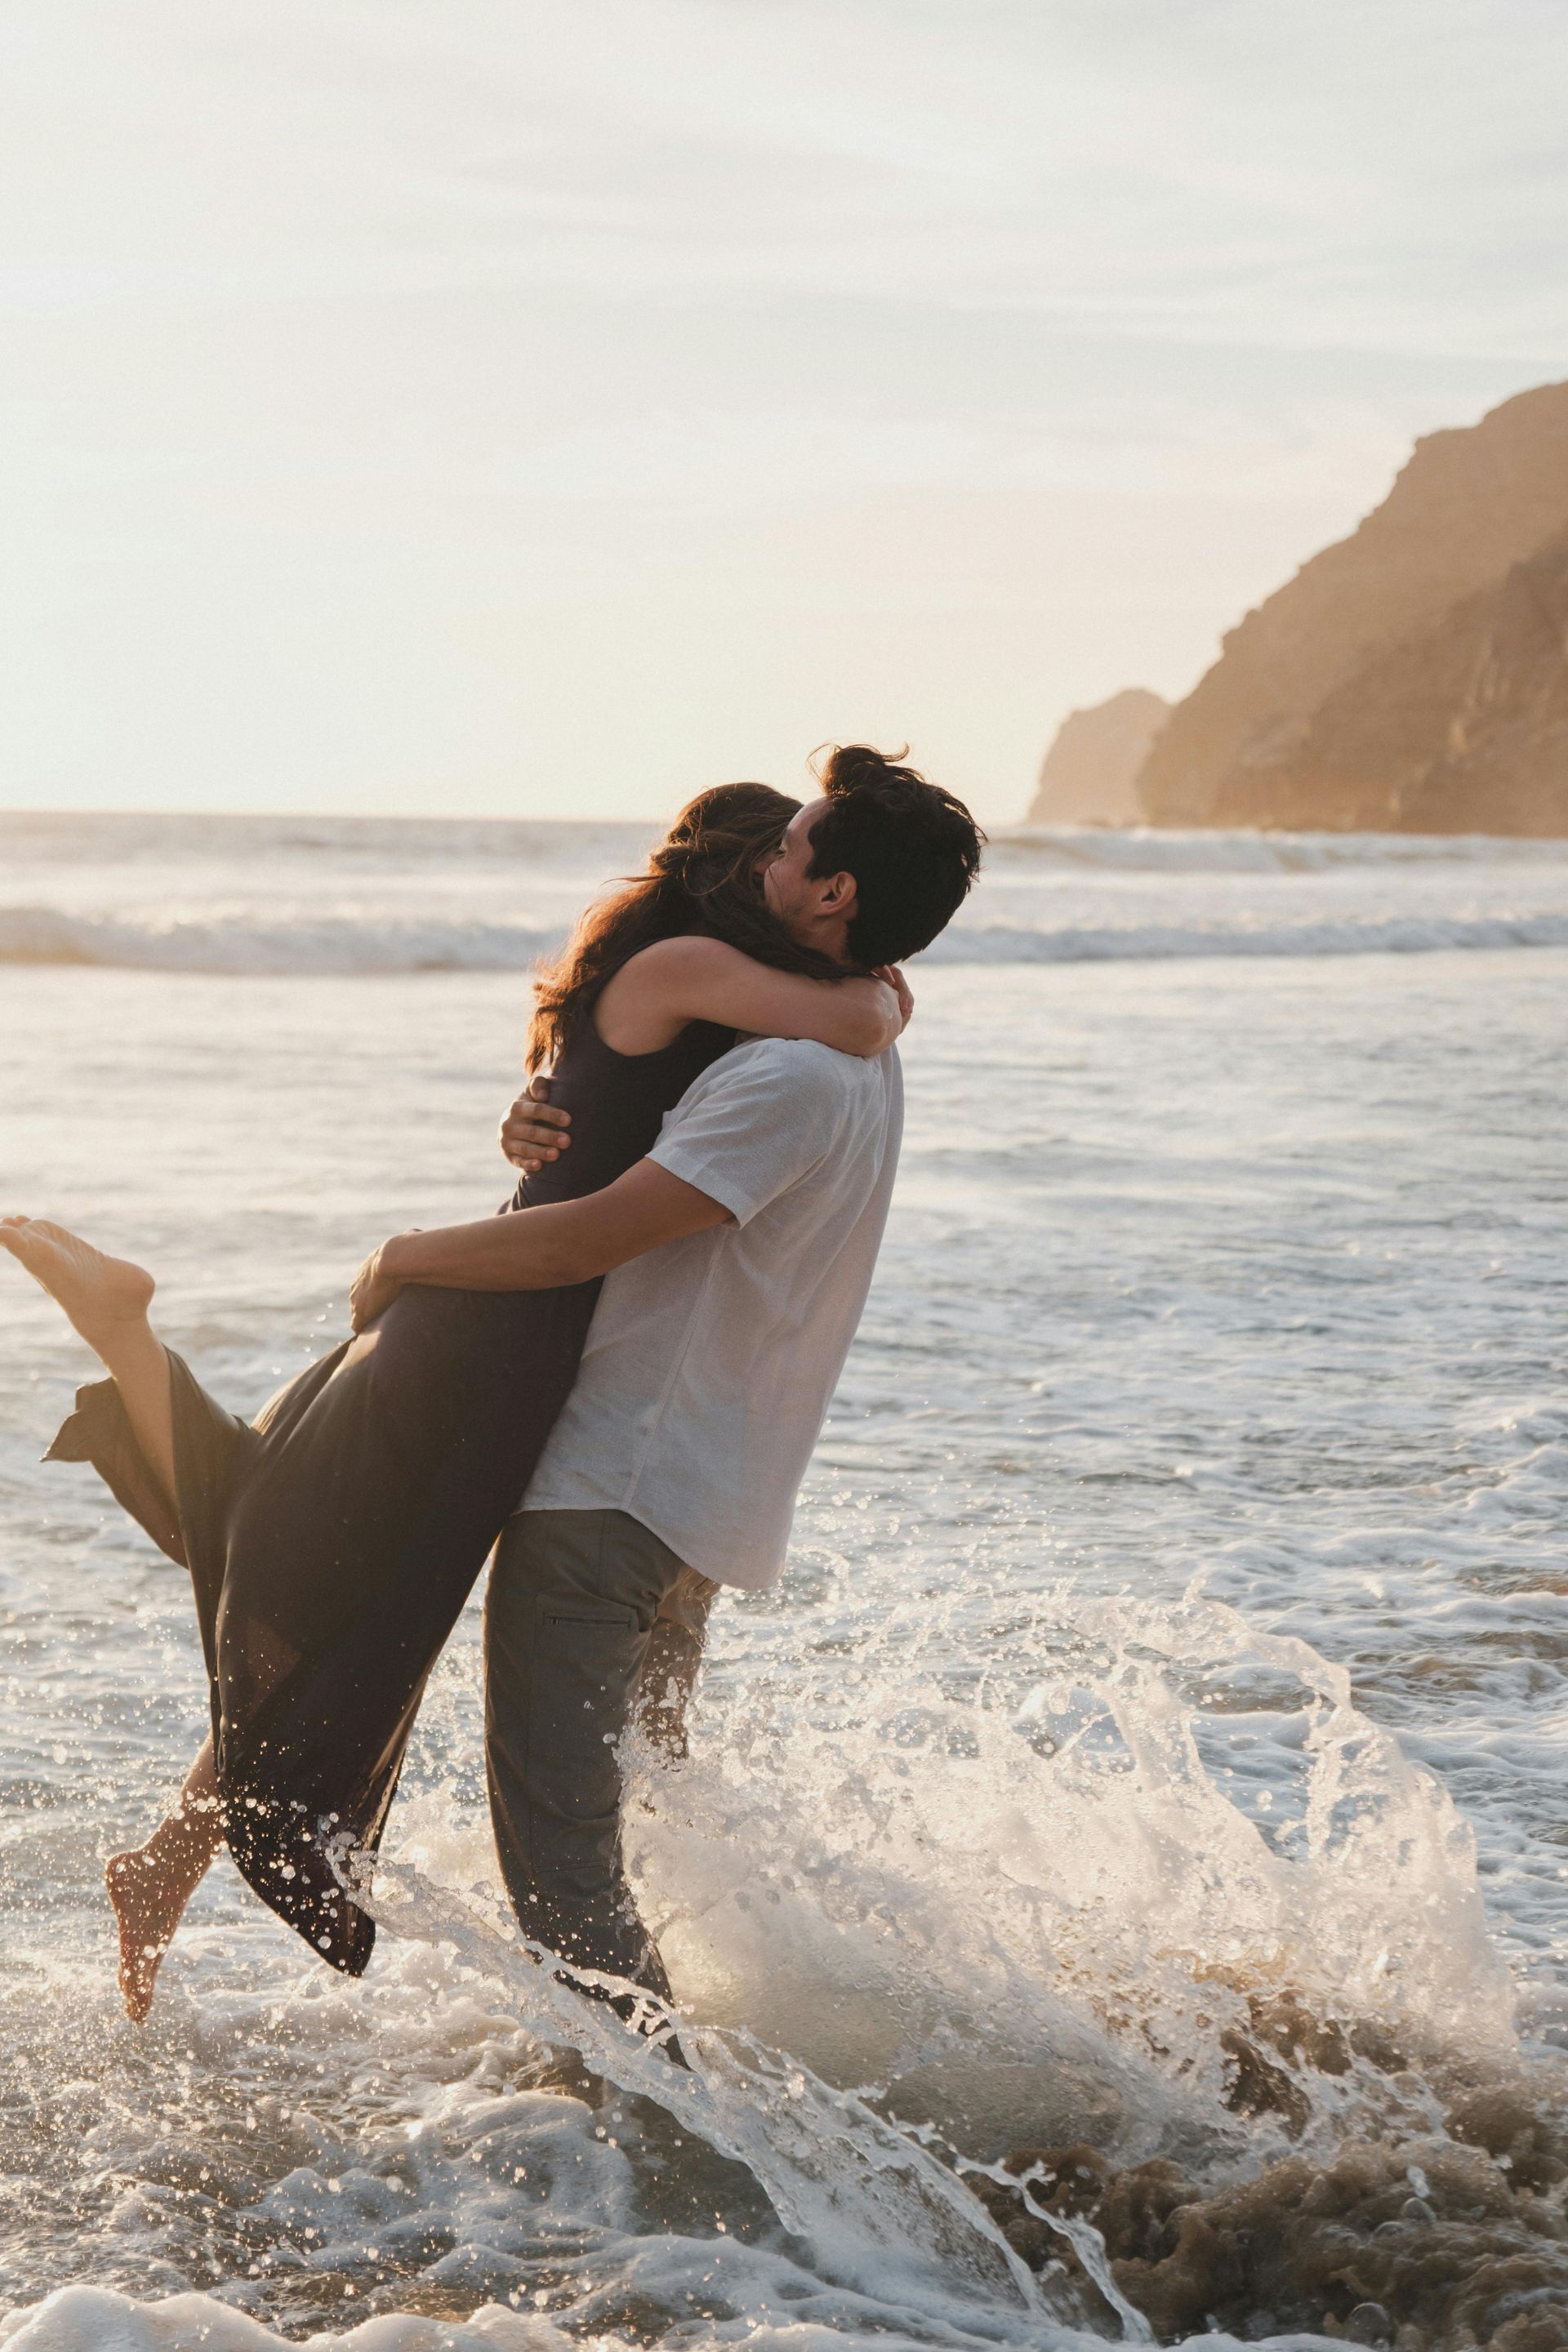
{"x": 739, "y": 1255}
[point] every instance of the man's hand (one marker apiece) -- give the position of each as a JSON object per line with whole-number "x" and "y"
{"x": 901, "y": 988}
{"x": 531, "y": 1133}
{"x": 371, "y": 1293}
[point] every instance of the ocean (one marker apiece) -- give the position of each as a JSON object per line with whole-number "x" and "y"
{"x": 1150, "y": 1770}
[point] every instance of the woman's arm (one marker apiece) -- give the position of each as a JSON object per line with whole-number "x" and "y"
{"x": 663, "y": 987}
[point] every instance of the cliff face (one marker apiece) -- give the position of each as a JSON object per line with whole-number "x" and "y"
{"x": 1461, "y": 728}
{"x": 1087, "y": 776}
{"x": 1336, "y": 702}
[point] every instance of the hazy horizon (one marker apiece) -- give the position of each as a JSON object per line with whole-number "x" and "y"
{"x": 493, "y": 416}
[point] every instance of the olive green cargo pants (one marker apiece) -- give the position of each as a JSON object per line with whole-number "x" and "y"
{"x": 589, "y": 1621}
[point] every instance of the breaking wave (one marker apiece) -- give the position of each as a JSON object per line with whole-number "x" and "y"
{"x": 1156, "y": 942}
{"x": 346, "y": 944}
{"x": 1143, "y": 850}
{"x": 340, "y": 896}
{"x": 315, "y": 943}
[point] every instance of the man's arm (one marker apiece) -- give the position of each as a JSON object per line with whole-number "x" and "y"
{"x": 546, "y": 1248}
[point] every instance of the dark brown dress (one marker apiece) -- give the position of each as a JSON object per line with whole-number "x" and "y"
{"x": 333, "y": 1541}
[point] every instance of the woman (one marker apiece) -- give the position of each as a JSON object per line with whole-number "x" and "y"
{"x": 332, "y": 1543}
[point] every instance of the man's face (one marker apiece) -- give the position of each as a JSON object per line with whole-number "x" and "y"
{"x": 789, "y": 892}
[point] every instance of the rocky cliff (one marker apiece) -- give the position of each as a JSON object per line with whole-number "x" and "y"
{"x": 1411, "y": 677}
{"x": 1087, "y": 776}
{"x": 1461, "y": 728}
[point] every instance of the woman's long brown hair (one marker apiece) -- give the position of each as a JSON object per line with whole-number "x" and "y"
{"x": 702, "y": 877}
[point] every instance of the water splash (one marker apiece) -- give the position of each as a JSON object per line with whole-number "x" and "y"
{"x": 1048, "y": 1893}
{"x": 878, "y": 2213}
{"x": 1045, "y": 1907}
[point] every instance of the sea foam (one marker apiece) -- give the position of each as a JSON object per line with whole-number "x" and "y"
{"x": 339, "y": 944}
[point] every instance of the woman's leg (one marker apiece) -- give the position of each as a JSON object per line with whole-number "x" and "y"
{"x": 151, "y": 1885}
{"x": 107, "y": 1299}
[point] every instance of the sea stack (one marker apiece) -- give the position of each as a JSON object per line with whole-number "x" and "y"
{"x": 1088, "y": 775}
{"x": 1412, "y": 677}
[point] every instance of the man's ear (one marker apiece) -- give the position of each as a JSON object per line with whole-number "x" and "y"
{"x": 839, "y": 893}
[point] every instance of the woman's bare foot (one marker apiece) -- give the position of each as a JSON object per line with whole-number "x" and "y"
{"x": 147, "y": 1910}
{"x": 101, "y": 1295}
{"x": 151, "y": 1885}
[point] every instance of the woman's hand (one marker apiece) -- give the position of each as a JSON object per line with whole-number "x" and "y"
{"x": 901, "y": 988}
{"x": 372, "y": 1291}
{"x": 532, "y": 1133}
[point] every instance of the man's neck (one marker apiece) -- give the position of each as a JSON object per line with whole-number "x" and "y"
{"x": 831, "y": 940}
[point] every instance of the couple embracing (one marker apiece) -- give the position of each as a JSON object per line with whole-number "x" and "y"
{"x": 617, "y": 1383}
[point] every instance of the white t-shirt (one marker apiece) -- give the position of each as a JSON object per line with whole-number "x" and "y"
{"x": 710, "y": 1361}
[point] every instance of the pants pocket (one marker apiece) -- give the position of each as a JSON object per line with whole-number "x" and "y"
{"x": 582, "y": 1616}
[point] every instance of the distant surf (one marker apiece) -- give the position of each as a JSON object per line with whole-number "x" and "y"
{"x": 312, "y": 945}
{"x": 342, "y": 944}
{"x": 280, "y": 896}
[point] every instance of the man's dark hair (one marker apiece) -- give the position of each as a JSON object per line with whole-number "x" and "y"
{"x": 912, "y": 848}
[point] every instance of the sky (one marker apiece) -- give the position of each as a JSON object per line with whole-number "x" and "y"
{"x": 491, "y": 406}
